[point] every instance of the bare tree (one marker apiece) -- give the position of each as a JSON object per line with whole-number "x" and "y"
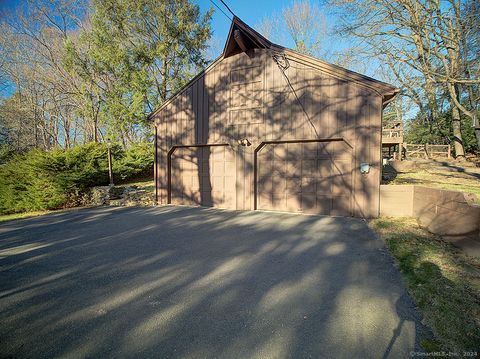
{"x": 306, "y": 24}
{"x": 428, "y": 39}
{"x": 33, "y": 41}
{"x": 302, "y": 22}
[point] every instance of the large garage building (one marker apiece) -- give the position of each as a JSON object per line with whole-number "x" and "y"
{"x": 267, "y": 128}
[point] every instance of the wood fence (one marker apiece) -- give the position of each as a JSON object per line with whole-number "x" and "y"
{"x": 427, "y": 151}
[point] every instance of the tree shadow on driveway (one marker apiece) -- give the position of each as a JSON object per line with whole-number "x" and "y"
{"x": 194, "y": 282}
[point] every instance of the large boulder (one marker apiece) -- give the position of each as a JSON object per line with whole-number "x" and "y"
{"x": 445, "y": 212}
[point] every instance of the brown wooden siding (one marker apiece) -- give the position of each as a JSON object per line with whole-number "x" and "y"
{"x": 241, "y": 97}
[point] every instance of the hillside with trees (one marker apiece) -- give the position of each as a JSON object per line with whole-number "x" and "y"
{"x": 83, "y": 71}
{"x": 76, "y": 73}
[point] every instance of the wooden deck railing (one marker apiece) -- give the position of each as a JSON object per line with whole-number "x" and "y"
{"x": 392, "y": 133}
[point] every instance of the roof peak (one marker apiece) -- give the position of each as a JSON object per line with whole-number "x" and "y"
{"x": 243, "y": 38}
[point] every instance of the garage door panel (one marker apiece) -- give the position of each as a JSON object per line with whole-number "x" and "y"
{"x": 280, "y": 153}
{"x": 279, "y": 185}
{"x": 315, "y": 176}
{"x": 291, "y": 170}
{"x": 309, "y": 202}
{"x": 265, "y": 201}
{"x": 324, "y": 204}
{"x": 321, "y": 150}
{"x": 218, "y": 183}
{"x": 229, "y": 198}
{"x": 217, "y": 197}
{"x": 324, "y": 185}
{"x": 293, "y": 202}
{"x": 324, "y": 167}
{"x": 310, "y": 151}
{"x": 340, "y": 206}
{"x": 267, "y": 184}
{"x": 266, "y": 153}
{"x": 309, "y": 167}
{"x": 295, "y": 167}
{"x": 203, "y": 176}
{"x": 292, "y": 154}
{"x": 328, "y": 149}
{"x": 278, "y": 171}
{"x": 293, "y": 184}
{"x": 309, "y": 185}
{"x": 279, "y": 201}
{"x": 265, "y": 171}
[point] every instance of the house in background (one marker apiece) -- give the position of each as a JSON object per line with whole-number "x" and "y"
{"x": 264, "y": 127}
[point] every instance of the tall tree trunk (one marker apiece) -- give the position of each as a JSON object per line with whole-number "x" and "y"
{"x": 163, "y": 95}
{"x": 66, "y": 133}
{"x": 95, "y": 131}
{"x": 476, "y": 127}
{"x": 457, "y": 133}
{"x": 477, "y": 135}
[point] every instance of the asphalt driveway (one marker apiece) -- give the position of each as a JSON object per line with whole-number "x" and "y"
{"x": 173, "y": 282}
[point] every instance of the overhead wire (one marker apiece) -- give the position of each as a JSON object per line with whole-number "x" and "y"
{"x": 223, "y": 12}
{"x": 231, "y": 12}
{"x": 283, "y": 69}
{"x": 277, "y": 57}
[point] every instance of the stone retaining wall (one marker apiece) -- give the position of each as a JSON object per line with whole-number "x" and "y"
{"x": 442, "y": 212}
{"x": 119, "y": 196}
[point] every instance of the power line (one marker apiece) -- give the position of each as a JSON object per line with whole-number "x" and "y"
{"x": 219, "y": 8}
{"x": 231, "y": 12}
{"x": 277, "y": 58}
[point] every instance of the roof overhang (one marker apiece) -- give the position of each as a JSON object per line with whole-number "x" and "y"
{"x": 390, "y": 96}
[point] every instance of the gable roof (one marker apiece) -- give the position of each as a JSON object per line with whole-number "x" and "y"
{"x": 242, "y": 38}
{"x": 251, "y": 38}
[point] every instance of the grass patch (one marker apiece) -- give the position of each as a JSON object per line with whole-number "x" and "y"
{"x": 145, "y": 184}
{"x": 444, "y": 283}
{"x": 31, "y": 214}
{"x": 436, "y": 177}
{"x": 10, "y": 217}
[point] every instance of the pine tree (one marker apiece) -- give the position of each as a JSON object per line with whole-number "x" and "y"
{"x": 138, "y": 53}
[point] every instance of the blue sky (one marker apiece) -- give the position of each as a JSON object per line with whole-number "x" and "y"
{"x": 8, "y": 4}
{"x": 250, "y": 11}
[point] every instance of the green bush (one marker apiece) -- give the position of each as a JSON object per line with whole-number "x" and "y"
{"x": 40, "y": 180}
{"x": 137, "y": 162}
{"x": 25, "y": 184}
